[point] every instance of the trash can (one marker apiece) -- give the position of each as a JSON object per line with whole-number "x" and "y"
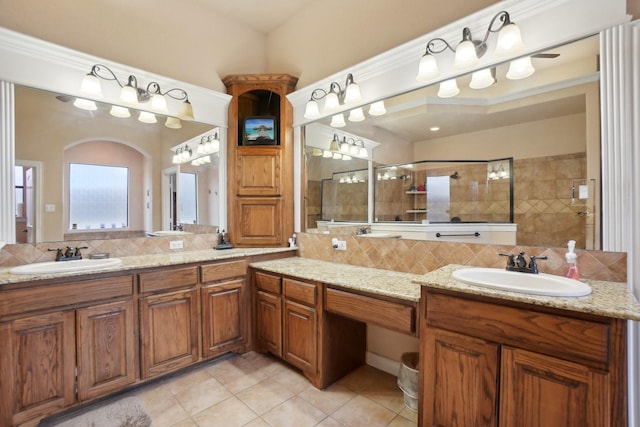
{"x": 408, "y": 380}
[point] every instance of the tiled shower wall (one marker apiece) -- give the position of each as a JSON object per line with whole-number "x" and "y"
{"x": 421, "y": 256}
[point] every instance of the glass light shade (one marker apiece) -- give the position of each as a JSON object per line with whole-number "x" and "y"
{"x": 448, "y": 89}
{"x": 206, "y": 159}
{"x": 118, "y": 111}
{"x": 91, "y": 85}
{"x": 363, "y": 152}
{"x": 520, "y": 68}
{"x": 482, "y": 79}
{"x": 147, "y": 117}
{"x": 354, "y": 150}
{"x": 333, "y": 146}
{"x": 346, "y": 157}
{"x": 428, "y": 68}
{"x": 466, "y": 55}
{"x": 129, "y": 95}
{"x": 215, "y": 146}
{"x": 175, "y": 159}
{"x": 201, "y": 148}
{"x": 342, "y": 180}
{"x": 173, "y": 123}
{"x": 377, "y": 109}
{"x": 337, "y": 121}
{"x": 311, "y": 111}
{"x": 337, "y": 156}
{"x": 186, "y": 111}
{"x": 316, "y": 152}
{"x": 356, "y": 115}
{"x": 327, "y": 154}
{"x": 352, "y": 94}
{"x": 492, "y": 174}
{"x": 159, "y": 103}
{"x": 509, "y": 40}
{"x": 85, "y": 104}
{"x": 344, "y": 147}
{"x": 331, "y": 102}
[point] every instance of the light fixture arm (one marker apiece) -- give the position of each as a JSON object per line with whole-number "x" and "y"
{"x": 431, "y": 46}
{"x": 334, "y": 87}
{"x": 480, "y": 45}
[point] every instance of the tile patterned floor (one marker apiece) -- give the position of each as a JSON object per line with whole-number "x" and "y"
{"x": 256, "y": 390}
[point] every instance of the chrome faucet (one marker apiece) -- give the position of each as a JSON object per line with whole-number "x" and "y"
{"x": 364, "y": 230}
{"x": 69, "y": 253}
{"x": 519, "y": 263}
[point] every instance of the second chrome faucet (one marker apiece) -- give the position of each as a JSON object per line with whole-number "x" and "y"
{"x": 519, "y": 263}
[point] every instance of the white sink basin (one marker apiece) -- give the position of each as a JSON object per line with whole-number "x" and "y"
{"x": 161, "y": 233}
{"x": 53, "y": 267}
{"x": 513, "y": 281}
{"x": 376, "y": 234}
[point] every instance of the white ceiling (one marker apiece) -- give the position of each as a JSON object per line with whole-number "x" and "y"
{"x": 261, "y": 15}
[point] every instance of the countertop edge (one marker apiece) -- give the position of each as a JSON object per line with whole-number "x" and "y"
{"x": 608, "y": 299}
{"x": 135, "y": 262}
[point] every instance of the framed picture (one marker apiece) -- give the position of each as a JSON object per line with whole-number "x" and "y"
{"x": 260, "y": 131}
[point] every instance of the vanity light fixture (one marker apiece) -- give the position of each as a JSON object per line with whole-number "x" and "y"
{"x": 469, "y": 50}
{"x": 334, "y": 98}
{"x": 152, "y": 98}
{"x": 345, "y": 149}
{"x": 208, "y": 144}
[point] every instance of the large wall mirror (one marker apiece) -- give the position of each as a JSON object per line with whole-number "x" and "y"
{"x": 548, "y": 123}
{"x": 62, "y": 151}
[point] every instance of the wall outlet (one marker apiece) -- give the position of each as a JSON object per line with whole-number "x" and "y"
{"x": 176, "y": 244}
{"x": 341, "y": 245}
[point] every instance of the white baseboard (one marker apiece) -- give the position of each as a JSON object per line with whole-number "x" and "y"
{"x": 384, "y": 364}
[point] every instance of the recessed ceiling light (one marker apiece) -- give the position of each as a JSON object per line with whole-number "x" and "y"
{"x": 434, "y": 128}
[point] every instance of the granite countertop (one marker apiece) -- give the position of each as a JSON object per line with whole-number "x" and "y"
{"x": 373, "y": 280}
{"x": 609, "y": 299}
{"x": 147, "y": 261}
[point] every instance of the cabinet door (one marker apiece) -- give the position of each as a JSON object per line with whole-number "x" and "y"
{"x": 538, "y": 390}
{"x": 300, "y": 336}
{"x": 106, "y": 348}
{"x": 168, "y": 332}
{"x": 259, "y": 221}
{"x": 258, "y": 171}
{"x": 223, "y": 320}
{"x": 460, "y": 380}
{"x": 37, "y": 366}
{"x": 269, "y": 323}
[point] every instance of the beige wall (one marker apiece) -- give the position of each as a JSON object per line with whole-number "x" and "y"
{"x": 560, "y": 135}
{"x": 190, "y": 41}
{"x": 331, "y": 35}
{"x": 183, "y": 40}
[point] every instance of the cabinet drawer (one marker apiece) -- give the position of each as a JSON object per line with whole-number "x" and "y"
{"x": 565, "y": 337}
{"x": 268, "y": 282}
{"x": 392, "y": 315}
{"x": 64, "y": 294}
{"x": 168, "y": 279}
{"x": 300, "y": 291}
{"x": 223, "y": 270}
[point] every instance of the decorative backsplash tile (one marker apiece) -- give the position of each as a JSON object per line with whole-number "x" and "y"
{"x": 421, "y": 256}
{"x": 26, "y": 253}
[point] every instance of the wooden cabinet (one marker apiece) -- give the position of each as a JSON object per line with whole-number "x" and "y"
{"x": 269, "y": 323}
{"x": 106, "y": 348}
{"x": 37, "y": 366}
{"x": 260, "y": 177}
{"x": 500, "y": 363}
{"x": 461, "y": 388}
{"x": 65, "y": 325}
{"x": 287, "y": 320}
{"x": 225, "y": 308}
{"x": 168, "y": 320}
{"x": 538, "y": 390}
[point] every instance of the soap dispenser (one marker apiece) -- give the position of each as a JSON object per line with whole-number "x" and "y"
{"x": 571, "y": 269}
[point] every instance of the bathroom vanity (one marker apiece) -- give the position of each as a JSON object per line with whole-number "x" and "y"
{"x": 496, "y": 358}
{"x": 71, "y": 338}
